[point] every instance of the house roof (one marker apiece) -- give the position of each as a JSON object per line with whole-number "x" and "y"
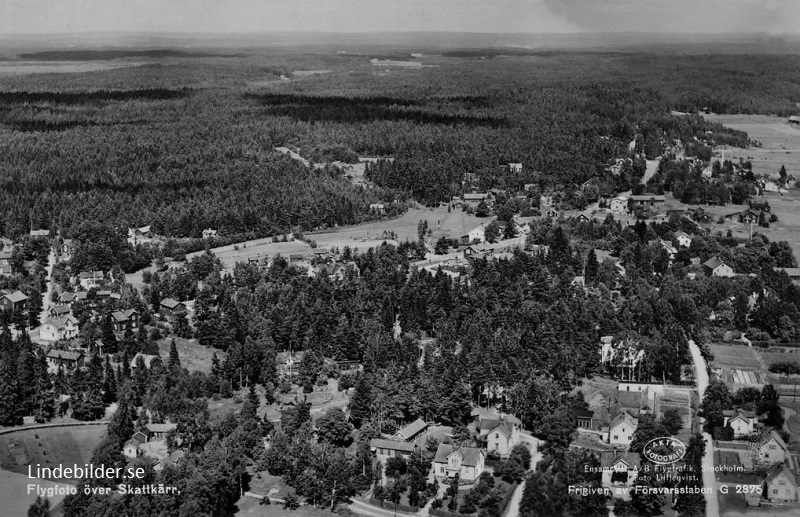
{"x": 61, "y": 309}
{"x": 60, "y": 322}
{"x": 66, "y": 355}
{"x": 66, "y": 297}
{"x": 412, "y": 429}
{"x": 630, "y": 399}
{"x": 680, "y": 233}
{"x": 474, "y": 197}
{"x": 714, "y": 263}
{"x": 777, "y": 470}
{"x": 169, "y": 303}
{"x": 132, "y": 441}
{"x": 15, "y": 297}
{"x": 777, "y": 437}
{"x": 140, "y": 435}
{"x": 502, "y": 427}
{"x": 793, "y": 272}
{"x": 121, "y": 316}
{"x": 394, "y": 445}
{"x": 161, "y": 428}
{"x": 647, "y": 197}
{"x": 611, "y": 458}
{"x": 623, "y": 418}
{"x": 583, "y": 413}
{"x": 469, "y": 455}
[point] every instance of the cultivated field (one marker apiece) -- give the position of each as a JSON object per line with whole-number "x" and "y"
{"x": 15, "y": 497}
{"x": 49, "y": 446}
{"x": 741, "y": 356}
{"x": 781, "y": 142}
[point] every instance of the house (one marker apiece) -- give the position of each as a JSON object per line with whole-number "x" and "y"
{"x": 619, "y": 205}
{"x": 742, "y": 422}
{"x": 169, "y": 307}
{"x": 11, "y": 302}
{"x": 648, "y": 200}
{"x": 66, "y": 358}
{"x": 377, "y": 208}
{"x": 131, "y": 448}
{"x": 683, "y": 239}
{"x": 748, "y": 216}
{"x": 58, "y": 311}
{"x": 552, "y": 213}
{"x": 773, "y": 450}
{"x": 159, "y": 431}
{"x": 90, "y": 279}
{"x": 585, "y": 418}
{"x": 384, "y": 448}
{"x": 780, "y": 485}
{"x": 149, "y": 360}
{"x": 619, "y": 469}
{"x": 717, "y": 267}
{"x": 760, "y": 206}
{"x": 474, "y": 200}
{"x": 621, "y": 429}
{"x": 580, "y": 218}
{"x": 170, "y": 460}
{"x": 470, "y": 251}
{"x": 794, "y": 119}
{"x": 501, "y": 435}
{"x": 410, "y": 432}
{"x": 125, "y": 320}
{"x": 699, "y": 215}
{"x": 515, "y": 167}
{"x": 66, "y": 298}
{"x": 209, "y": 233}
{"x": 450, "y": 460}
{"x": 477, "y": 234}
{"x": 288, "y": 362}
{"x": 136, "y": 235}
{"x": 40, "y": 233}
{"x": 59, "y": 327}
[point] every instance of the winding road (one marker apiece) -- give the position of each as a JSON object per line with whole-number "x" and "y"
{"x": 709, "y": 480}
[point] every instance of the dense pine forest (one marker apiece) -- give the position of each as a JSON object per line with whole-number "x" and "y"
{"x": 184, "y": 144}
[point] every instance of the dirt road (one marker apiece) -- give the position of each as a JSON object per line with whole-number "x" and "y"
{"x": 709, "y": 480}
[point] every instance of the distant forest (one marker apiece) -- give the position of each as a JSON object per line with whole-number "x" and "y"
{"x": 187, "y": 144}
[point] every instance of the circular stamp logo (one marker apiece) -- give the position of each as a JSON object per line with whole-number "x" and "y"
{"x": 664, "y": 450}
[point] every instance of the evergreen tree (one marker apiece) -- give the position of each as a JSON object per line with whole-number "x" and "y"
{"x": 120, "y": 428}
{"x": 10, "y": 407}
{"x": 590, "y": 271}
{"x": 109, "y": 383}
{"x": 174, "y": 362}
{"x": 40, "y": 507}
{"x": 361, "y": 402}
{"x": 45, "y": 401}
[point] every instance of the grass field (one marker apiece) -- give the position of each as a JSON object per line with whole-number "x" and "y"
{"x": 194, "y": 357}
{"x": 250, "y": 507}
{"x": 49, "y": 447}
{"x": 781, "y": 142}
{"x": 741, "y": 356}
{"x": 15, "y": 497}
{"x": 775, "y": 355}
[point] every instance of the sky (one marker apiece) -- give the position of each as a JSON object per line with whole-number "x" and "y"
{"x": 489, "y": 16}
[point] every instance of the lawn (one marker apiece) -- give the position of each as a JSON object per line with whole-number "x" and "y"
{"x": 194, "y": 357}
{"x": 251, "y": 507}
{"x": 49, "y": 447}
{"x": 735, "y": 356}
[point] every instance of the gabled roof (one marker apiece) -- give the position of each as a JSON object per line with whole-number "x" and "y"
{"x": 777, "y": 470}
{"x": 169, "y": 303}
{"x": 681, "y": 233}
{"x": 714, "y": 263}
{"x": 66, "y": 355}
{"x": 648, "y": 197}
{"x": 630, "y": 399}
{"x": 132, "y": 441}
{"x": 412, "y": 429}
{"x": 623, "y": 418}
{"x": 773, "y": 435}
{"x": 60, "y": 310}
{"x": 121, "y": 316}
{"x": 469, "y": 455}
{"x": 15, "y": 297}
{"x": 609, "y": 459}
{"x": 474, "y": 197}
{"x": 502, "y": 427}
{"x": 394, "y": 445}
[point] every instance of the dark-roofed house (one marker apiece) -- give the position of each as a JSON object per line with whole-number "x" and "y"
{"x": 715, "y": 266}
{"x": 780, "y": 485}
{"x": 792, "y": 272}
{"x": 169, "y": 307}
{"x": 650, "y": 200}
{"x": 450, "y": 460}
{"x": 585, "y": 418}
{"x": 13, "y": 301}
{"x": 384, "y": 448}
{"x": 65, "y": 358}
{"x": 60, "y": 310}
{"x": 410, "y": 432}
{"x": 160, "y": 430}
{"x": 619, "y": 469}
{"x": 125, "y": 320}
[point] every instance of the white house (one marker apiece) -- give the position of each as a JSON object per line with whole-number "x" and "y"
{"x": 715, "y": 266}
{"x": 780, "y": 485}
{"x": 450, "y": 460}
{"x": 514, "y": 167}
{"x": 619, "y": 205}
{"x": 477, "y": 234}
{"x": 683, "y": 239}
{"x": 209, "y": 233}
{"x": 742, "y": 422}
{"x": 57, "y": 328}
{"x": 501, "y": 434}
{"x": 619, "y": 469}
{"x": 773, "y": 450}
{"x": 621, "y": 430}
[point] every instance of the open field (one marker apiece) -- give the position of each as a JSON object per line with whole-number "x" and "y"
{"x": 11, "y": 68}
{"x": 781, "y": 142}
{"x": 734, "y": 356}
{"x": 15, "y": 497}
{"x": 49, "y": 446}
{"x": 251, "y": 507}
{"x": 194, "y": 357}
